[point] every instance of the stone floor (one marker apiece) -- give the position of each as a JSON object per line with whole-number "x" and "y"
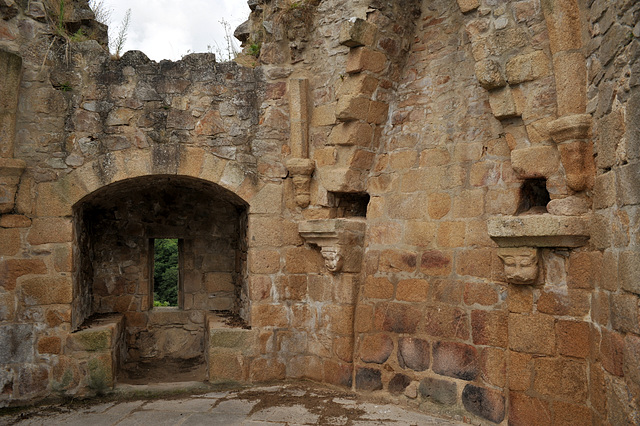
{"x": 285, "y": 404}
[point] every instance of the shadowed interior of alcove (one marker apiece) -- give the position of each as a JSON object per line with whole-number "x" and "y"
{"x": 116, "y": 227}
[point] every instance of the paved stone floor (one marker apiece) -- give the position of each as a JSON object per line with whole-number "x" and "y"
{"x": 286, "y": 404}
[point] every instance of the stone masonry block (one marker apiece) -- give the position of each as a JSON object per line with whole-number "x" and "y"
{"x": 489, "y": 74}
{"x": 527, "y": 67}
{"x": 629, "y": 271}
{"x": 266, "y": 369}
{"x": 536, "y": 161}
{"x": 358, "y": 84}
{"x": 489, "y": 328}
{"x": 571, "y": 82}
{"x": 502, "y": 103}
{"x": 573, "y": 338}
{"x": 376, "y": 348}
{"x": 378, "y": 112}
{"x": 12, "y": 269}
{"x": 46, "y": 290}
{"x": 351, "y": 108}
{"x": 368, "y": 379}
{"x": 396, "y": 318}
{"x": 561, "y": 378}
{"x": 629, "y": 184}
{"x": 225, "y": 365}
{"x": 18, "y": 342}
{"x": 438, "y": 390}
{"x": 357, "y": 32}
{"x": 532, "y": 334}
{"x": 468, "y": 5}
{"x": 604, "y": 190}
{"x": 455, "y": 360}
{"x": 486, "y": 403}
{"x": 351, "y": 133}
{"x": 563, "y": 24}
{"x": 414, "y": 353}
{"x": 365, "y": 59}
{"x": 526, "y": 410}
{"x": 50, "y": 230}
{"x": 91, "y": 339}
{"x": 10, "y": 241}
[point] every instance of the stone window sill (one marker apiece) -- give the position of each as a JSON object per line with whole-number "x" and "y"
{"x": 543, "y": 230}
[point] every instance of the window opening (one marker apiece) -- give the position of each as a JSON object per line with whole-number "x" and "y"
{"x": 166, "y": 272}
{"x": 533, "y": 196}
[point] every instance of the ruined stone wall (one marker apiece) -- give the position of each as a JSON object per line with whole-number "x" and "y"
{"x": 613, "y": 50}
{"x": 442, "y": 198}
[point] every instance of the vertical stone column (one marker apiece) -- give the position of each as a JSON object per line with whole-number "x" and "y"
{"x": 571, "y": 130}
{"x": 10, "y": 70}
{"x": 10, "y": 169}
{"x": 299, "y": 165}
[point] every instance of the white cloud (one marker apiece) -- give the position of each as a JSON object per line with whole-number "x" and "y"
{"x": 165, "y": 29}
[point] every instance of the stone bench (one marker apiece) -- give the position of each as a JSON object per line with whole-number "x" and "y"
{"x": 228, "y": 350}
{"x": 100, "y": 347}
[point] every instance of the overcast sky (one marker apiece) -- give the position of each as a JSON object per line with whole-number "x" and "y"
{"x": 169, "y": 29}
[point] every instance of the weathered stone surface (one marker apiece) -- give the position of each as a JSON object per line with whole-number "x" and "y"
{"x": 502, "y": 104}
{"x": 414, "y": 353}
{"x": 539, "y": 231}
{"x": 526, "y": 410}
{"x": 532, "y": 333}
{"x": 46, "y": 290}
{"x": 398, "y": 384}
{"x": 535, "y": 162}
{"x": 357, "y": 32}
{"x": 527, "y": 67}
{"x": 18, "y": 344}
{"x": 368, "y": 379}
{"x": 396, "y": 318}
{"x": 486, "y": 403}
{"x": 468, "y": 5}
{"x": 365, "y": 59}
{"x": 12, "y": 269}
{"x": 562, "y": 378}
{"x": 438, "y": 390}
{"x": 570, "y": 206}
{"x": 489, "y": 74}
{"x": 376, "y": 348}
{"x": 455, "y": 360}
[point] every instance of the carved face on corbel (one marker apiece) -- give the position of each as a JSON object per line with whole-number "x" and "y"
{"x": 521, "y": 264}
{"x": 332, "y": 258}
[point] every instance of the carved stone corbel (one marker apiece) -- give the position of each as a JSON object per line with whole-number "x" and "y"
{"x": 521, "y": 264}
{"x": 300, "y": 170}
{"x": 572, "y": 134}
{"x": 340, "y": 240}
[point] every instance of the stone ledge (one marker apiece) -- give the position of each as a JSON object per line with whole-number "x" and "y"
{"x": 11, "y": 167}
{"x": 539, "y": 230}
{"x": 341, "y": 241}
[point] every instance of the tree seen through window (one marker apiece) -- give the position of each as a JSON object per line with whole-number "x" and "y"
{"x": 165, "y": 274}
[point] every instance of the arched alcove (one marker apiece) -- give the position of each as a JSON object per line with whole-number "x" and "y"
{"x": 115, "y": 230}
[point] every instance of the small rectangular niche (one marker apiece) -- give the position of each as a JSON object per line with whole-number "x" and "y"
{"x": 166, "y": 273}
{"x": 349, "y": 204}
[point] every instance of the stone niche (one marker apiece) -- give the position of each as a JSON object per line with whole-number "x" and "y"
{"x": 115, "y": 229}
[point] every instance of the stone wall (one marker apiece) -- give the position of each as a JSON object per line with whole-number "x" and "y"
{"x": 441, "y": 201}
{"x": 613, "y": 66}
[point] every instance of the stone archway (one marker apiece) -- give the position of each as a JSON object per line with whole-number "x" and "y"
{"x": 115, "y": 228}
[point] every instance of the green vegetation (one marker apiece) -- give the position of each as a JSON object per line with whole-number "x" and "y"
{"x": 165, "y": 274}
{"x": 254, "y": 50}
